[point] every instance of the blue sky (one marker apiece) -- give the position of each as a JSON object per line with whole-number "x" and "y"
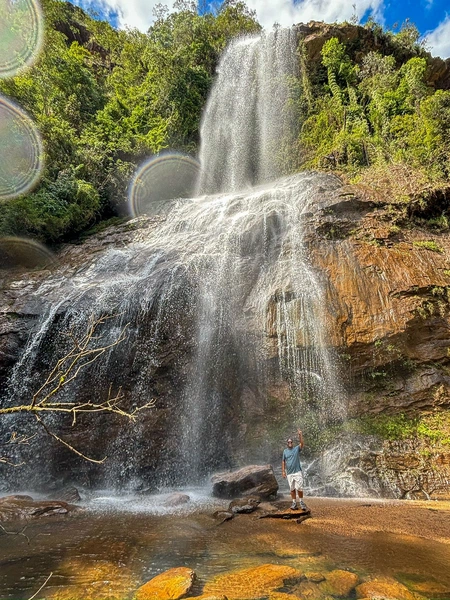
{"x": 432, "y": 17}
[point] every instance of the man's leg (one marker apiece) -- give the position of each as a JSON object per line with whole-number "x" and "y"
{"x": 292, "y": 486}
{"x": 299, "y": 489}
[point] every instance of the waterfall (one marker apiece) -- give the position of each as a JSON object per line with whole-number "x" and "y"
{"x": 220, "y": 295}
{"x": 248, "y": 117}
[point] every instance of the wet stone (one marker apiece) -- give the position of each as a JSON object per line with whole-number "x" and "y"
{"x": 388, "y": 589}
{"x": 339, "y": 583}
{"x": 177, "y": 499}
{"x": 170, "y": 585}
{"x": 244, "y": 505}
{"x": 252, "y": 583}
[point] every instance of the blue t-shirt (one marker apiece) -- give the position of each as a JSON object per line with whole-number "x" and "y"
{"x": 291, "y": 456}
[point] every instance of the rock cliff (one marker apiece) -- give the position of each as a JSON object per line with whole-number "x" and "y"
{"x": 387, "y": 307}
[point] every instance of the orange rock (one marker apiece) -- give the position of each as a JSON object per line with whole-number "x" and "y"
{"x": 170, "y": 585}
{"x": 207, "y": 597}
{"x": 386, "y": 589}
{"x": 339, "y": 583}
{"x": 250, "y": 584}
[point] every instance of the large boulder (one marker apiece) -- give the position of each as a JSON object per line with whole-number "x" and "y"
{"x": 253, "y": 480}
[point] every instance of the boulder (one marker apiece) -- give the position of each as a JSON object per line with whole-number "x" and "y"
{"x": 68, "y": 494}
{"x": 253, "y": 480}
{"x": 253, "y": 583}
{"x": 170, "y": 585}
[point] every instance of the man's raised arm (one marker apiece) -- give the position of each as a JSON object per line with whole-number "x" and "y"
{"x": 300, "y": 438}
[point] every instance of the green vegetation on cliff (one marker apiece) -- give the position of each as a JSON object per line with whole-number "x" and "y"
{"x": 377, "y": 115}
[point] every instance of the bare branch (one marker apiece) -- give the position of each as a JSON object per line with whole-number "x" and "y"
{"x": 81, "y": 354}
{"x": 71, "y": 448}
{"x": 21, "y": 532}
{"x": 42, "y": 587}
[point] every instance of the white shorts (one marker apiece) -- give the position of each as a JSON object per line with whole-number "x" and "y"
{"x": 295, "y": 481}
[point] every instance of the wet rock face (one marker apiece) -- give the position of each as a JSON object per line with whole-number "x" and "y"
{"x": 387, "y": 304}
{"x": 365, "y": 466}
{"x": 387, "y": 315}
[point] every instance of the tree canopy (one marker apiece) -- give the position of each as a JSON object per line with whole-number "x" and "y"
{"x": 103, "y": 100}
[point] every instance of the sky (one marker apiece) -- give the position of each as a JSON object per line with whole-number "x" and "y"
{"x": 432, "y": 17}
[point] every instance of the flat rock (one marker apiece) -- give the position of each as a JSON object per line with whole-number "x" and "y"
{"x": 170, "y": 585}
{"x": 258, "y": 480}
{"x": 252, "y": 583}
{"x": 17, "y": 508}
{"x": 244, "y": 505}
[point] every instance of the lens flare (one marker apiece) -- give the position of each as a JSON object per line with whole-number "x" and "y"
{"x": 160, "y": 181}
{"x": 21, "y": 28}
{"x": 16, "y": 252}
{"x": 21, "y": 155}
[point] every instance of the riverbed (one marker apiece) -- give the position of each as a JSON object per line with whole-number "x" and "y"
{"x": 112, "y": 546}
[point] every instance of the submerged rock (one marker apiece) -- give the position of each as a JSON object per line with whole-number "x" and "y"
{"x": 388, "y": 589}
{"x": 170, "y": 585}
{"x": 339, "y": 583}
{"x": 250, "y": 584}
{"x": 177, "y": 499}
{"x": 251, "y": 480}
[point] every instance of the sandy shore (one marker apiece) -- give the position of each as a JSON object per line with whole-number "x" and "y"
{"x": 353, "y": 517}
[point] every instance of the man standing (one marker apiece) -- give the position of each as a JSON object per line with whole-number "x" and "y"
{"x": 291, "y": 467}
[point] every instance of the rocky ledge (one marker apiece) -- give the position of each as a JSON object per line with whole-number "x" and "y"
{"x": 24, "y": 508}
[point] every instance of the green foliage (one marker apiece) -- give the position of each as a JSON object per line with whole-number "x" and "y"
{"x": 378, "y": 111}
{"x": 428, "y": 245}
{"x": 433, "y": 428}
{"x": 58, "y": 209}
{"x": 104, "y": 100}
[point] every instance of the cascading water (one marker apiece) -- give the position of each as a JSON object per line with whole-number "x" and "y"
{"x": 248, "y": 117}
{"x": 220, "y": 297}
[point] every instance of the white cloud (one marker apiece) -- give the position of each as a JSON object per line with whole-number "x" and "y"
{"x": 286, "y": 12}
{"x": 139, "y": 13}
{"x": 439, "y": 40}
{"x": 131, "y": 13}
{"x": 136, "y": 13}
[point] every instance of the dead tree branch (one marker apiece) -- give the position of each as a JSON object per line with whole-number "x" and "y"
{"x": 84, "y": 351}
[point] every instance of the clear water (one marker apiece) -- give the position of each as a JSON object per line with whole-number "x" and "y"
{"x": 116, "y": 545}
